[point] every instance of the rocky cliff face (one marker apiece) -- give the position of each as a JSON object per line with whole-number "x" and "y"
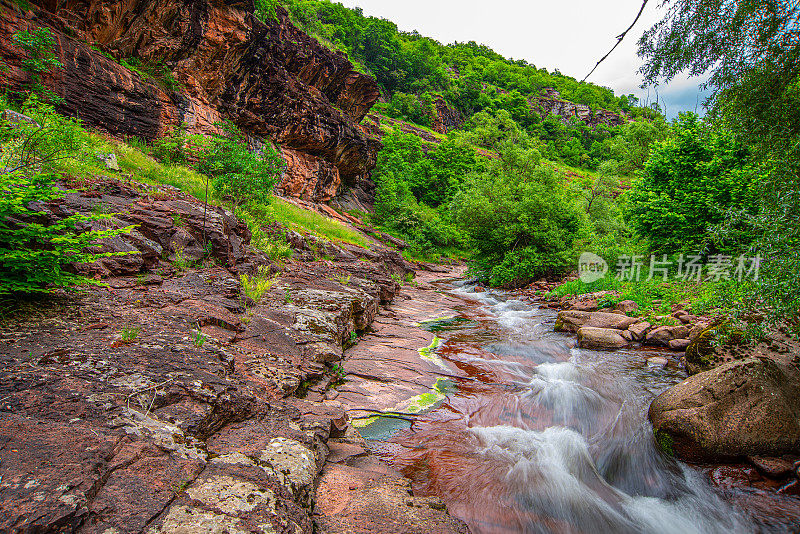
{"x": 271, "y": 79}
{"x": 552, "y": 103}
{"x": 446, "y": 118}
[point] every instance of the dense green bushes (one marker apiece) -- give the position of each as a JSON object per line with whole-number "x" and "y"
{"x": 690, "y": 184}
{"x": 521, "y": 221}
{"x": 39, "y": 44}
{"x": 35, "y": 255}
{"x": 413, "y": 189}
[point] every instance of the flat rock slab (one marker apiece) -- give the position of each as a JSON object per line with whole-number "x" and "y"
{"x": 356, "y": 500}
{"x": 385, "y": 368}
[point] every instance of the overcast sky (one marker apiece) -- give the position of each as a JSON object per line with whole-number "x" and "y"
{"x": 570, "y": 35}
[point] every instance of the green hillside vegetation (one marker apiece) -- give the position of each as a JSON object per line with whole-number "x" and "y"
{"x": 522, "y": 195}
{"x": 557, "y": 188}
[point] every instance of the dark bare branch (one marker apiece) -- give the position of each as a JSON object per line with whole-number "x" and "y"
{"x": 620, "y": 37}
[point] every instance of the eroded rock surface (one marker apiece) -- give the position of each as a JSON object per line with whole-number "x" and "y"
{"x": 168, "y": 401}
{"x": 274, "y": 81}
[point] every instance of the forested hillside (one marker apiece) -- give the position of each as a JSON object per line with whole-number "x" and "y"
{"x": 555, "y": 150}
{"x": 565, "y": 177}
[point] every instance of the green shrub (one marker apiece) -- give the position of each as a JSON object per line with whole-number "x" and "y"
{"x": 36, "y": 257}
{"x": 39, "y": 45}
{"x": 129, "y": 333}
{"x": 178, "y": 147}
{"x": 240, "y": 175}
{"x": 265, "y": 10}
{"x": 522, "y": 224}
{"x": 690, "y": 183}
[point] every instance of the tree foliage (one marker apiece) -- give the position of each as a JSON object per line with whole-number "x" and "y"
{"x": 523, "y": 222}
{"x": 689, "y": 185}
{"x": 41, "y": 59}
{"x": 37, "y": 254}
{"x": 751, "y": 53}
{"x": 239, "y": 174}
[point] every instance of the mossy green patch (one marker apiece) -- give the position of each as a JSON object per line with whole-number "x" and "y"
{"x": 417, "y": 404}
{"x": 665, "y": 442}
{"x": 429, "y": 353}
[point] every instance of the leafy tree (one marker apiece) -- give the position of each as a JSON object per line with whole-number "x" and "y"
{"x": 42, "y": 59}
{"x": 751, "y": 51}
{"x": 179, "y": 147}
{"x": 522, "y": 223}
{"x": 412, "y": 108}
{"x": 691, "y": 181}
{"x": 631, "y": 147}
{"x": 36, "y": 256}
{"x": 240, "y": 175}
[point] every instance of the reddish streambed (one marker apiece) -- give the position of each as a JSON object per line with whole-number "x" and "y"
{"x": 546, "y": 437}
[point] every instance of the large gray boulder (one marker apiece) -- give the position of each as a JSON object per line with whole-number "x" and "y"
{"x": 741, "y": 408}
{"x": 572, "y": 320}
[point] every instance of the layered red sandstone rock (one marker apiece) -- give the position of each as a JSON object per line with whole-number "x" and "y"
{"x": 271, "y": 79}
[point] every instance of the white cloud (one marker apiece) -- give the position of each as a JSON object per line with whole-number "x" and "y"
{"x": 570, "y": 35}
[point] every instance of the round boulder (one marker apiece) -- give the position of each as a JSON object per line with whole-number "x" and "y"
{"x": 572, "y": 320}
{"x": 590, "y": 337}
{"x": 748, "y": 407}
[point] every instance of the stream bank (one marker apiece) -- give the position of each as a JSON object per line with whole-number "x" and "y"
{"x": 532, "y": 433}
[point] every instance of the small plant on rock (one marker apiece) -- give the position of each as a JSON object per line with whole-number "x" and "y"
{"x": 198, "y": 338}
{"x": 180, "y": 261}
{"x": 129, "y": 334}
{"x": 342, "y": 279}
{"x": 338, "y": 371}
{"x": 257, "y": 284}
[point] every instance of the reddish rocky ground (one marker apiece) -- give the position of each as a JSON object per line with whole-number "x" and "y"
{"x": 168, "y": 401}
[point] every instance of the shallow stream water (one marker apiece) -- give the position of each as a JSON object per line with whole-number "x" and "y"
{"x": 546, "y": 437}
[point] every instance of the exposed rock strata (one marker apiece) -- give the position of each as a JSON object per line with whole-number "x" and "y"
{"x": 445, "y": 118}
{"x": 190, "y": 423}
{"x": 271, "y": 79}
{"x": 552, "y": 103}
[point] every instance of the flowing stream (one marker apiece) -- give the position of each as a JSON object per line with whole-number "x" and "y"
{"x": 547, "y": 437}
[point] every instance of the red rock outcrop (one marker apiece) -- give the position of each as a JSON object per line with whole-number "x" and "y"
{"x": 188, "y": 422}
{"x": 551, "y": 102}
{"x": 271, "y": 79}
{"x": 446, "y": 118}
